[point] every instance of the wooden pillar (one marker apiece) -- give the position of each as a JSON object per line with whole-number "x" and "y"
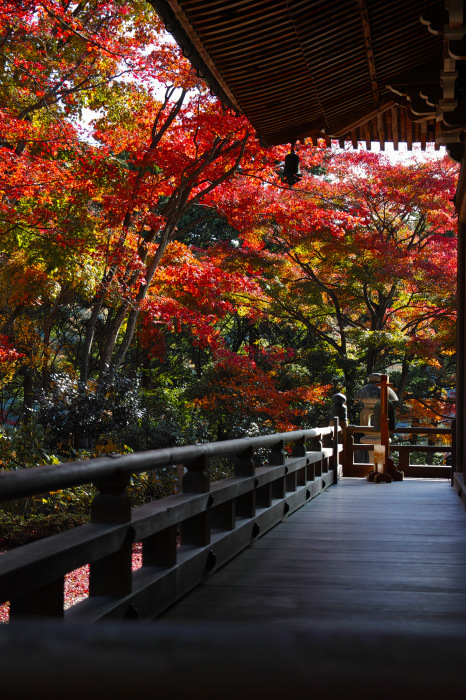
{"x": 460, "y": 351}
{"x": 339, "y": 417}
{"x": 460, "y": 202}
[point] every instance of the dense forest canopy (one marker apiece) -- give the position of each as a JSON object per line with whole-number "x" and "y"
{"x": 160, "y": 282}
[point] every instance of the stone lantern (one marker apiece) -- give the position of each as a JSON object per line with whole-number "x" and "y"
{"x": 370, "y": 412}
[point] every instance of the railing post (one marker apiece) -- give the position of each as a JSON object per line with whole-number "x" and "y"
{"x": 111, "y": 575}
{"x": 277, "y": 454}
{"x": 340, "y": 411}
{"x": 403, "y": 458}
{"x": 335, "y": 454}
{"x": 299, "y": 448}
{"x": 245, "y": 505}
{"x": 348, "y": 463}
{"x": 316, "y": 446}
{"x": 196, "y": 530}
{"x": 277, "y": 457}
{"x": 244, "y": 463}
{"x": 159, "y": 549}
{"x": 197, "y": 478}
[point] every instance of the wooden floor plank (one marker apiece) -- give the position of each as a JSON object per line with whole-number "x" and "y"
{"x": 377, "y": 556}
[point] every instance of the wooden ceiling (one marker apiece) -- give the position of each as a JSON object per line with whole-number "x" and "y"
{"x": 354, "y": 70}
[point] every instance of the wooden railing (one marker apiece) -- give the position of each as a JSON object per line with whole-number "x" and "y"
{"x": 360, "y": 469}
{"x": 184, "y": 537}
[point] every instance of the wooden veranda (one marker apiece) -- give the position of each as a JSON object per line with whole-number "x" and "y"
{"x": 303, "y": 583}
{"x": 360, "y": 558}
{"x": 359, "y": 589}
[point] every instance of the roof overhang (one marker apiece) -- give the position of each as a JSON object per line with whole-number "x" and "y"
{"x": 370, "y": 70}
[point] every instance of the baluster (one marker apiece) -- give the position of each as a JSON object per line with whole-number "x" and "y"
{"x": 316, "y": 446}
{"x": 277, "y": 457}
{"x": 264, "y": 496}
{"x": 340, "y": 413}
{"x": 160, "y": 548}
{"x": 403, "y": 460}
{"x": 224, "y": 515}
{"x": 327, "y": 441}
{"x": 244, "y": 463}
{"x": 348, "y": 467}
{"x": 299, "y": 448}
{"x": 335, "y": 454}
{"x": 196, "y": 530}
{"x": 279, "y": 488}
{"x": 301, "y": 477}
{"x": 197, "y": 478}
{"x": 245, "y": 505}
{"x": 277, "y": 454}
{"x": 111, "y": 575}
{"x": 292, "y": 481}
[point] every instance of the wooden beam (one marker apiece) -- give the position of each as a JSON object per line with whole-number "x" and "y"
{"x": 354, "y": 139}
{"x": 423, "y": 135}
{"x": 366, "y": 30}
{"x": 381, "y": 132}
{"x": 360, "y": 119}
{"x": 367, "y": 135}
{"x": 438, "y": 129}
{"x": 395, "y": 134}
{"x": 409, "y": 134}
{"x": 455, "y": 14}
{"x": 416, "y": 79}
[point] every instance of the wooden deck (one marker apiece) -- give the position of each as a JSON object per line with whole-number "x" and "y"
{"x": 359, "y": 595}
{"x": 361, "y": 556}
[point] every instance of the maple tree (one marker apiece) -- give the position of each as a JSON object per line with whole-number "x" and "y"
{"x": 93, "y": 213}
{"x": 144, "y": 230}
{"x": 362, "y": 256}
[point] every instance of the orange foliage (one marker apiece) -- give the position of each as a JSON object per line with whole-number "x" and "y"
{"x": 240, "y": 387}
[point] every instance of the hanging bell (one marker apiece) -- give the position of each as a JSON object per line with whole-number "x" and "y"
{"x": 291, "y": 171}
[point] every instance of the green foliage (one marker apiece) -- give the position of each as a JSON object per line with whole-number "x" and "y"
{"x": 79, "y": 416}
{"x": 23, "y": 446}
{"x": 17, "y": 529}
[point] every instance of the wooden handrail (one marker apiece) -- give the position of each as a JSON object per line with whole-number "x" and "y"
{"x": 362, "y": 447}
{"x": 28, "y": 482}
{"x": 368, "y": 429}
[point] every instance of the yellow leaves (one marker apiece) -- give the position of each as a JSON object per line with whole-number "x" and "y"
{"x": 107, "y": 446}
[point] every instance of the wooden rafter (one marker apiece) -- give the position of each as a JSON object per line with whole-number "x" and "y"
{"x": 297, "y": 69}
